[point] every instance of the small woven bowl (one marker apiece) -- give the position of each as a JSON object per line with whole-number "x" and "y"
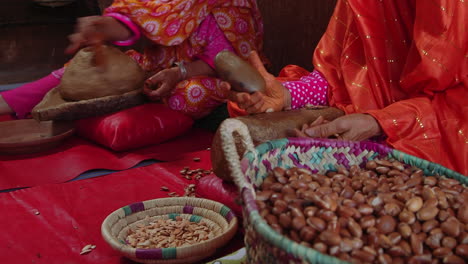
{"x": 218, "y": 217}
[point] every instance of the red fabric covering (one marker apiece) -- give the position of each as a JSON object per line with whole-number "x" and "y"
{"x": 76, "y": 156}
{"x": 6, "y": 118}
{"x": 71, "y": 213}
{"x": 135, "y": 127}
{"x": 214, "y": 188}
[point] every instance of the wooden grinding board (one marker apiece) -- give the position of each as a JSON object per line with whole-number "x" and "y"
{"x": 29, "y": 136}
{"x": 264, "y": 127}
{"x": 53, "y": 107}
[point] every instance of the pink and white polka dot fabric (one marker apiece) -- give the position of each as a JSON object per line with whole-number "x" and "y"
{"x": 309, "y": 90}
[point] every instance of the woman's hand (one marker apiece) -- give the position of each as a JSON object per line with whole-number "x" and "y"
{"x": 275, "y": 98}
{"x": 354, "y": 127}
{"x": 162, "y": 83}
{"x": 96, "y": 29}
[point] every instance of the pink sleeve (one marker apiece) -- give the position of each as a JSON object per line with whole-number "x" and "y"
{"x": 215, "y": 38}
{"x": 136, "y": 34}
{"x": 311, "y": 89}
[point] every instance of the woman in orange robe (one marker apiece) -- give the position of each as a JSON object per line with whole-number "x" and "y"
{"x": 397, "y": 68}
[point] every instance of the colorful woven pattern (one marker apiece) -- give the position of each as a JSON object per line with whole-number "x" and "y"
{"x": 263, "y": 244}
{"x": 218, "y": 217}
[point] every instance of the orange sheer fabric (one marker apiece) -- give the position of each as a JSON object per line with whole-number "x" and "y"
{"x": 405, "y": 63}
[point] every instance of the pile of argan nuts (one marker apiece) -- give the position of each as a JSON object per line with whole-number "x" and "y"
{"x": 385, "y": 213}
{"x": 166, "y": 233}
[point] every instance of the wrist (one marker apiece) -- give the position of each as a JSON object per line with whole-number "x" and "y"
{"x": 375, "y": 127}
{"x": 121, "y": 30}
{"x": 286, "y": 98}
{"x": 182, "y": 70}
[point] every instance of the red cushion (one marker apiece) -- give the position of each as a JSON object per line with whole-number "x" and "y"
{"x": 214, "y": 188}
{"x": 135, "y": 127}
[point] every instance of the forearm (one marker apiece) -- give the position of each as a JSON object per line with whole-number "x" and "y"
{"x": 287, "y": 99}
{"x": 198, "y": 68}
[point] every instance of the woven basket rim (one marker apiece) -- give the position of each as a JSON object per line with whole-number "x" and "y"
{"x": 291, "y": 247}
{"x": 205, "y": 246}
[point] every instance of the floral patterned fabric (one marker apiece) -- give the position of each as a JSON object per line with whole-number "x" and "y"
{"x": 197, "y": 97}
{"x": 183, "y": 30}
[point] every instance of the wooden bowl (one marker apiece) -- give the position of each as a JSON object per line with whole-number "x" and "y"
{"x": 29, "y": 136}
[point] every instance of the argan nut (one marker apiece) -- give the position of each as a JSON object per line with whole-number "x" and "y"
{"x": 427, "y": 213}
{"x": 298, "y": 223}
{"x": 462, "y": 214}
{"x": 396, "y": 251}
{"x": 404, "y": 229}
{"x": 371, "y": 165}
{"x": 449, "y": 242}
{"x": 330, "y": 238}
{"x": 384, "y": 241}
{"x": 430, "y": 180}
{"x": 316, "y": 223}
{"x": 386, "y": 224}
{"x": 263, "y": 195}
{"x": 462, "y": 250}
{"x": 451, "y": 227}
{"x": 407, "y": 216}
{"x": 310, "y": 211}
{"x": 394, "y": 237}
{"x": 392, "y": 209}
{"x": 285, "y": 220}
{"x": 365, "y": 209}
{"x": 271, "y": 219}
{"x": 433, "y": 241}
{"x": 367, "y": 221}
{"x": 453, "y": 259}
{"x": 426, "y": 258}
{"x": 346, "y": 245}
{"x": 320, "y": 247}
{"x": 416, "y": 244}
{"x": 414, "y": 204}
{"x": 354, "y": 228}
{"x": 363, "y": 256}
{"x": 441, "y": 252}
{"x": 307, "y": 233}
{"x": 429, "y": 225}
{"x": 384, "y": 259}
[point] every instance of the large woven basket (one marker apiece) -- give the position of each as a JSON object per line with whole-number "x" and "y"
{"x": 264, "y": 245}
{"x": 219, "y": 218}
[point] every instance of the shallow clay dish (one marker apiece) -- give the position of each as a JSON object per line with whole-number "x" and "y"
{"x": 29, "y": 136}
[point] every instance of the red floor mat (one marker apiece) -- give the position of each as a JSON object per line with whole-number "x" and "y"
{"x": 77, "y": 155}
{"x": 70, "y": 214}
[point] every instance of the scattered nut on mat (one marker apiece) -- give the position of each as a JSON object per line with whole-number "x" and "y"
{"x": 196, "y": 174}
{"x": 196, "y": 159}
{"x": 164, "y": 189}
{"x": 86, "y": 249}
{"x": 173, "y": 194}
{"x": 190, "y": 190}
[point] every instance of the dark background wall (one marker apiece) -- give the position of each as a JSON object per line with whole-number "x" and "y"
{"x": 33, "y": 37}
{"x": 293, "y": 29}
